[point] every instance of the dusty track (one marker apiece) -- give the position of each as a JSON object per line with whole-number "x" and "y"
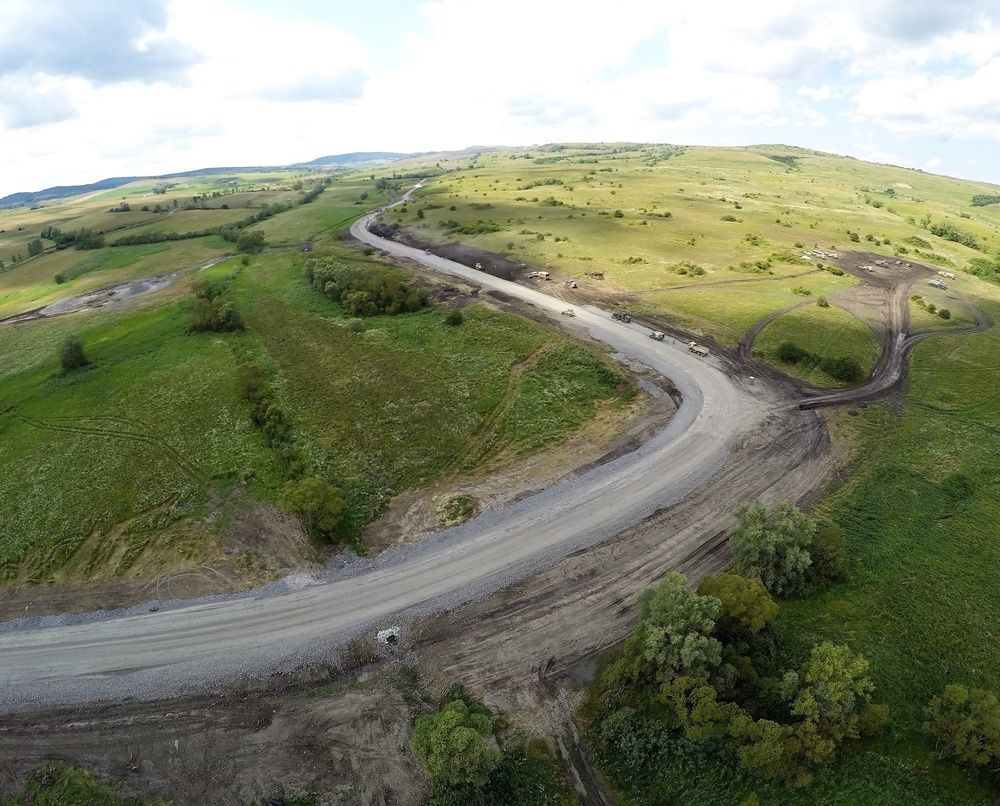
{"x": 889, "y": 373}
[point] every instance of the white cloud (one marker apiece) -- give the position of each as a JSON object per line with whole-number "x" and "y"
{"x": 188, "y": 83}
{"x": 816, "y": 94}
{"x": 946, "y": 106}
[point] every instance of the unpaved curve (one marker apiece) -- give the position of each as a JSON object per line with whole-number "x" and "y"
{"x": 746, "y": 343}
{"x": 201, "y": 645}
{"x": 890, "y": 371}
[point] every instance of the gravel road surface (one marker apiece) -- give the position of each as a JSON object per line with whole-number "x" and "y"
{"x": 195, "y": 646}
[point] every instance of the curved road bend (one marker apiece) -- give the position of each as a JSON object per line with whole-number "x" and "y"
{"x": 890, "y": 371}
{"x": 201, "y": 645}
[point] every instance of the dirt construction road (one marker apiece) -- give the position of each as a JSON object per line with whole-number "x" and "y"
{"x": 194, "y": 646}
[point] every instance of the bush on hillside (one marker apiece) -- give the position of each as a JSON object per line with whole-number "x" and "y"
{"x": 365, "y": 292}
{"x": 71, "y": 355}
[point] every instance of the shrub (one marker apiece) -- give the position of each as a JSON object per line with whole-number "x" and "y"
{"x": 71, "y": 355}
{"x": 454, "y": 318}
{"x": 252, "y": 242}
{"x": 846, "y": 370}
{"x": 729, "y": 218}
{"x": 451, "y": 744}
{"x": 215, "y": 314}
{"x": 965, "y": 724}
{"x": 320, "y": 504}
{"x": 356, "y": 325}
{"x": 822, "y": 302}
{"x": 789, "y": 353}
{"x": 619, "y": 214}
{"x": 944, "y": 313}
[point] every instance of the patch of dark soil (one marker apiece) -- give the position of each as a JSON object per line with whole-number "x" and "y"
{"x": 471, "y": 256}
{"x": 240, "y": 747}
{"x": 891, "y": 275}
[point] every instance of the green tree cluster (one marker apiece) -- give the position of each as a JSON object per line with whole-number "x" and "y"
{"x": 319, "y": 503}
{"x": 704, "y": 664}
{"x": 365, "y": 292}
{"x": 787, "y": 550}
{"x": 451, "y": 744}
{"x": 211, "y": 311}
{"x": 965, "y": 725}
{"x": 269, "y": 416}
{"x": 81, "y": 238}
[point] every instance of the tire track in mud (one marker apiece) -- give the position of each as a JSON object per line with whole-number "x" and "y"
{"x": 57, "y": 424}
{"x": 704, "y": 286}
{"x": 479, "y": 445}
{"x": 889, "y": 373}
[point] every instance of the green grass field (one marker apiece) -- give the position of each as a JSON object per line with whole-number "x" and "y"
{"x": 644, "y": 215}
{"x": 410, "y": 399}
{"x": 106, "y": 469}
{"x": 826, "y": 333}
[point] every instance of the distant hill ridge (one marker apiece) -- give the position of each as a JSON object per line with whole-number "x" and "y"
{"x": 28, "y": 198}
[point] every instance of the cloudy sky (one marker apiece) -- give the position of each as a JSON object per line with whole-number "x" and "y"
{"x": 98, "y": 88}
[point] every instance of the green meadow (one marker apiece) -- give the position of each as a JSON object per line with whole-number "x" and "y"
{"x": 117, "y": 468}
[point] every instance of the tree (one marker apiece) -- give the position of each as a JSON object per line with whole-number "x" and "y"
{"x": 833, "y": 691}
{"x": 320, "y": 504}
{"x": 774, "y": 548}
{"x": 71, "y": 354}
{"x": 747, "y": 607}
{"x": 252, "y": 242}
{"x": 35, "y": 247}
{"x": 673, "y": 636}
{"x": 965, "y": 724}
{"x": 214, "y": 313}
{"x": 451, "y": 744}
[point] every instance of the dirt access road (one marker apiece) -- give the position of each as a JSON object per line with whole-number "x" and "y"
{"x": 195, "y": 646}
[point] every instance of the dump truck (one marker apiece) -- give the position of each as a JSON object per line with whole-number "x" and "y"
{"x": 656, "y": 334}
{"x": 621, "y": 316}
{"x": 697, "y": 349}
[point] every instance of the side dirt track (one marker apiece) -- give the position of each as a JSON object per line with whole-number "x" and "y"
{"x": 520, "y": 648}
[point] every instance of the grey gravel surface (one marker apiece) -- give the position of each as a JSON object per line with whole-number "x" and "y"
{"x": 202, "y": 645}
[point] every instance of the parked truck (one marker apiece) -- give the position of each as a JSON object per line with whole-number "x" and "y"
{"x": 697, "y": 349}
{"x": 656, "y": 334}
{"x": 621, "y": 316}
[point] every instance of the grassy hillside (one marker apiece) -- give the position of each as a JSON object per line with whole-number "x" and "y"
{"x": 660, "y": 218}
{"x": 120, "y": 467}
